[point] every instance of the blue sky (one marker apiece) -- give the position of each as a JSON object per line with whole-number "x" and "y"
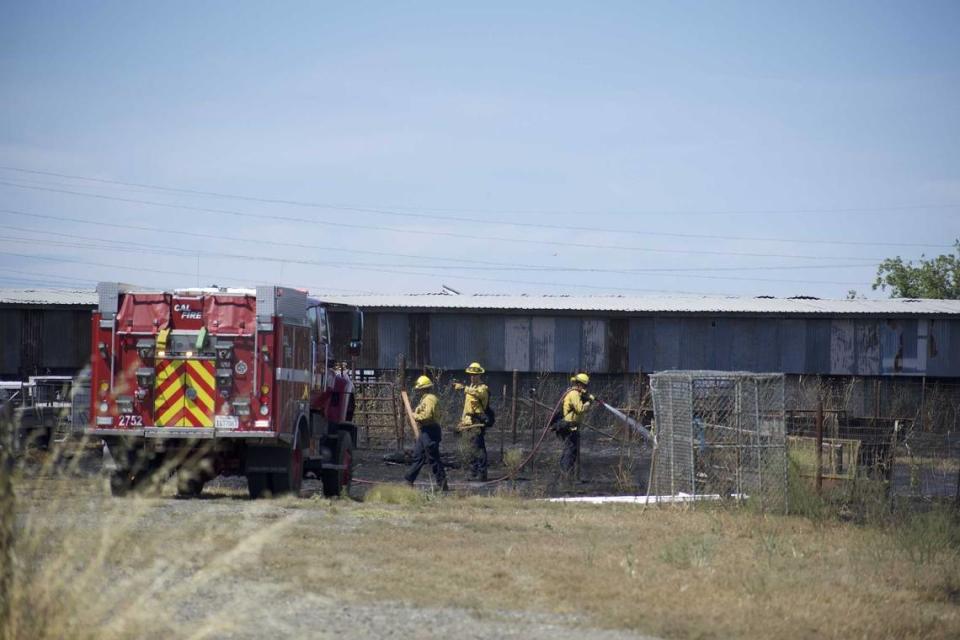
{"x": 747, "y": 148}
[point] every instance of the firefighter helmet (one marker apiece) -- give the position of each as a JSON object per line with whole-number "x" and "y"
{"x": 582, "y": 378}
{"x": 423, "y": 382}
{"x": 474, "y": 369}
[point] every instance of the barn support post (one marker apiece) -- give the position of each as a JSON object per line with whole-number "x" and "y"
{"x": 513, "y": 408}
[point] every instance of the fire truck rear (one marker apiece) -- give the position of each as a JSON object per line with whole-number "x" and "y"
{"x": 202, "y": 382}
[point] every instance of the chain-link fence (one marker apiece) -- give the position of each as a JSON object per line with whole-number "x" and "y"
{"x": 720, "y": 435}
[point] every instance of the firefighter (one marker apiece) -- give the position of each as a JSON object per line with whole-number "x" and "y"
{"x": 575, "y": 402}
{"x": 427, "y": 448}
{"x": 476, "y": 419}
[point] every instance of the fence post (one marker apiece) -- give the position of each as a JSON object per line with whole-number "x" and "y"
{"x": 402, "y": 381}
{"x": 533, "y": 424}
{"x": 504, "y": 396}
{"x": 923, "y": 404}
{"x": 819, "y": 427}
{"x": 513, "y": 408}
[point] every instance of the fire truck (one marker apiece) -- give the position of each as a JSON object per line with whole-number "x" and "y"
{"x": 209, "y": 381}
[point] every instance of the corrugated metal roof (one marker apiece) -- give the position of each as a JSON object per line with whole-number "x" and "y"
{"x": 652, "y": 304}
{"x": 584, "y": 304}
{"x": 77, "y": 297}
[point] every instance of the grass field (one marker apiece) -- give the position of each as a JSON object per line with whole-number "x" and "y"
{"x": 92, "y": 566}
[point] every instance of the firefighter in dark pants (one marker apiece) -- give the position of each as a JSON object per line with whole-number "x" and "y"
{"x": 427, "y": 448}
{"x": 575, "y": 402}
{"x": 475, "y": 420}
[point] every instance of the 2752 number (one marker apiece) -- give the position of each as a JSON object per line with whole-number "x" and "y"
{"x": 129, "y": 420}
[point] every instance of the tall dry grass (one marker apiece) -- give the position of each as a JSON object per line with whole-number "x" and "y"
{"x": 86, "y": 565}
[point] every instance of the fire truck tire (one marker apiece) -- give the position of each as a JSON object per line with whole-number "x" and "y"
{"x": 292, "y": 479}
{"x": 189, "y": 483}
{"x": 120, "y": 483}
{"x": 257, "y": 484}
{"x": 336, "y": 481}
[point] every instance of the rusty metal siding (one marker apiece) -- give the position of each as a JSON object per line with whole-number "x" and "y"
{"x": 939, "y": 349}
{"x": 818, "y": 346}
{"x": 393, "y": 336}
{"x": 842, "y": 345}
{"x": 666, "y": 348}
{"x": 457, "y": 340}
{"x": 594, "y": 345}
{"x": 696, "y": 343}
{"x": 642, "y": 340}
{"x": 618, "y": 345}
{"x": 566, "y": 345}
{"x": 905, "y": 346}
{"x": 32, "y": 341}
{"x": 542, "y": 341}
{"x": 952, "y": 355}
{"x": 722, "y": 344}
{"x": 418, "y": 347}
{"x": 765, "y": 345}
{"x": 516, "y": 344}
{"x": 891, "y": 347}
{"x": 11, "y": 341}
{"x": 793, "y": 346}
{"x": 867, "y": 347}
{"x": 370, "y": 349}
{"x": 923, "y": 345}
{"x": 743, "y": 346}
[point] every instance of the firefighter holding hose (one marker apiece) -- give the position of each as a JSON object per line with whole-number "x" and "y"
{"x": 575, "y": 402}
{"x": 476, "y": 419}
{"x": 427, "y": 448}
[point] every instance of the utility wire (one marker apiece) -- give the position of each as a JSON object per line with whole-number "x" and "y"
{"x": 393, "y": 210}
{"x": 166, "y": 250}
{"x": 496, "y": 265}
{"x": 389, "y": 271}
{"x": 423, "y": 232}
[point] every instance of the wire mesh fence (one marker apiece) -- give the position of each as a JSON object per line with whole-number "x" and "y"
{"x": 720, "y": 435}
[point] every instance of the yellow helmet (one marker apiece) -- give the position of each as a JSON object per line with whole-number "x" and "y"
{"x": 423, "y": 382}
{"x": 475, "y": 369}
{"x": 582, "y": 378}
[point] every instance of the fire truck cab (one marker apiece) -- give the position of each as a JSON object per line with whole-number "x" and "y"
{"x": 209, "y": 381}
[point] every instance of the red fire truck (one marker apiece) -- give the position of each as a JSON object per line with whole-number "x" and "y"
{"x": 202, "y": 382}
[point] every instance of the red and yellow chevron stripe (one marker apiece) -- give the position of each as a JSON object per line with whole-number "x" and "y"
{"x": 184, "y": 393}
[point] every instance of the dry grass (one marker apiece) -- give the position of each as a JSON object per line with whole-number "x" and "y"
{"x": 92, "y": 566}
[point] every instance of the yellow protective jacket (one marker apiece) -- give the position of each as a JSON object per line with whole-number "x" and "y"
{"x": 476, "y": 399}
{"x": 573, "y": 407}
{"x": 428, "y": 410}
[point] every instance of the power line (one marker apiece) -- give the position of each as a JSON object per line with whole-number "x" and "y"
{"x": 422, "y": 232}
{"x": 345, "y": 207}
{"x": 337, "y": 266}
{"x": 470, "y": 220}
{"x": 164, "y": 250}
{"x": 495, "y": 265}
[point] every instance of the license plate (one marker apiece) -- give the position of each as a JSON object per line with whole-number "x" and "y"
{"x": 226, "y": 422}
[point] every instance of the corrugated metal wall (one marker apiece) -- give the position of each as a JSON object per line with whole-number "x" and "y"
{"x": 11, "y": 348}
{"x": 564, "y": 343}
{"x": 37, "y": 341}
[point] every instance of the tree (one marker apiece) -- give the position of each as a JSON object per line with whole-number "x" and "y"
{"x": 930, "y": 278}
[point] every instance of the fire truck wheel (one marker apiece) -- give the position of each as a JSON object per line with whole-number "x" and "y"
{"x": 256, "y": 484}
{"x": 189, "y": 483}
{"x": 336, "y": 481}
{"x": 291, "y": 480}
{"x": 120, "y": 483}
